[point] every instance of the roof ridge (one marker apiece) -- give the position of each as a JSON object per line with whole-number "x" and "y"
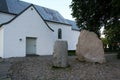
{"x": 23, "y": 12}
{"x": 16, "y": 7}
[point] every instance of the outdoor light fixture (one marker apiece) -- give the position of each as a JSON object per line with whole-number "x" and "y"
{"x": 31, "y": 8}
{"x": 20, "y": 39}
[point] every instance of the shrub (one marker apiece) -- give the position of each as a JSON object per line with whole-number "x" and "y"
{"x": 118, "y": 55}
{"x": 71, "y": 53}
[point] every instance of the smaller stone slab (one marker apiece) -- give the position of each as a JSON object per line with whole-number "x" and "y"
{"x": 60, "y": 55}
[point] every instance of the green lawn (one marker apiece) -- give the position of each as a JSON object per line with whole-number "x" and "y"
{"x": 71, "y": 53}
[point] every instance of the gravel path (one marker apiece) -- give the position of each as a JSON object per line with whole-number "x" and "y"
{"x": 40, "y": 68}
{"x": 4, "y": 67}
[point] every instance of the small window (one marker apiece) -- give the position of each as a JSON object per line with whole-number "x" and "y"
{"x": 59, "y": 33}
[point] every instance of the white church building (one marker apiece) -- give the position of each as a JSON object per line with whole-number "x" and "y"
{"x": 27, "y": 29}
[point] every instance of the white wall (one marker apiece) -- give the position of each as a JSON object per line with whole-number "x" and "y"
{"x": 28, "y": 24}
{"x": 5, "y": 17}
{"x": 74, "y": 39}
{"x": 1, "y": 42}
{"x": 67, "y": 34}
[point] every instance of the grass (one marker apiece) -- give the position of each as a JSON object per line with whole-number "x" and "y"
{"x": 118, "y": 55}
{"x": 71, "y": 53}
{"x": 55, "y": 67}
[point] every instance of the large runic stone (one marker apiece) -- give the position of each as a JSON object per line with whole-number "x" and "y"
{"x": 90, "y": 47}
{"x": 60, "y": 55}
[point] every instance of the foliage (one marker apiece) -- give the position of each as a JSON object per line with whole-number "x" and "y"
{"x": 71, "y": 53}
{"x": 93, "y": 14}
{"x": 113, "y": 33}
{"x": 118, "y": 55}
{"x": 105, "y": 41}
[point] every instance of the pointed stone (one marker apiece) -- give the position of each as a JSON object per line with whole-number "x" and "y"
{"x": 90, "y": 47}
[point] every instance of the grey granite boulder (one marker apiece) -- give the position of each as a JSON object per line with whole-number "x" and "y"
{"x": 60, "y": 55}
{"x": 90, "y": 47}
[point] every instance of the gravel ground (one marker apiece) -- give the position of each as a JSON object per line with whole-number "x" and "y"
{"x": 40, "y": 68}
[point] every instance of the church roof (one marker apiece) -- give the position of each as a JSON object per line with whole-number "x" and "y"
{"x": 16, "y": 7}
{"x": 3, "y": 6}
{"x": 74, "y": 25}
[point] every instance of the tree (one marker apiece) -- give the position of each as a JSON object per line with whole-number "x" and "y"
{"x": 113, "y": 33}
{"x": 93, "y": 14}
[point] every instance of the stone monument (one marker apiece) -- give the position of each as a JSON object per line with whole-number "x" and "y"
{"x": 90, "y": 47}
{"x": 60, "y": 55}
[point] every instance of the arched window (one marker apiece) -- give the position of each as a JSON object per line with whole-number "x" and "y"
{"x": 59, "y": 33}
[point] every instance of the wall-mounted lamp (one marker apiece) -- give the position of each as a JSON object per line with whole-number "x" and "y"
{"x": 20, "y": 39}
{"x": 31, "y": 8}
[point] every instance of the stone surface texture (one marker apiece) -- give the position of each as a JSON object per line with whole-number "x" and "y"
{"x": 90, "y": 47}
{"x": 60, "y": 55}
{"x": 40, "y": 68}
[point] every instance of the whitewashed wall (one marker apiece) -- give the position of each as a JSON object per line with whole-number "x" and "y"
{"x": 74, "y": 39}
{"x": 67, "y": 34}
{"x": 28, "y": 24}
{"x": 1, "y": 42}
{"x": 5, "y": 17}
